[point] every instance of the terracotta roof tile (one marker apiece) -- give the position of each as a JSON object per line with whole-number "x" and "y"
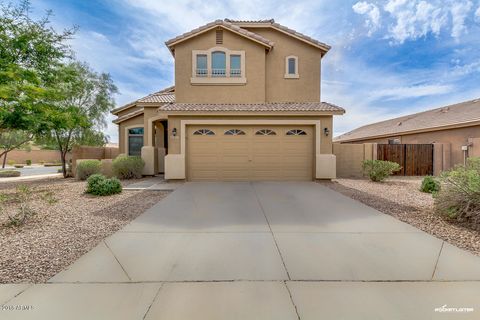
{"x": 158, "y": 98}
{"x": 460, "y": 113}
{"x": 254, "y": 107}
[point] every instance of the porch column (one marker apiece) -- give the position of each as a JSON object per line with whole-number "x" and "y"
{"x": 149, "y": 151}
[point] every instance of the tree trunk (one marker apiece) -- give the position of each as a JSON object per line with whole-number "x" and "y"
{"x": 63, "y": 156}
{"x": 4, "y": 160}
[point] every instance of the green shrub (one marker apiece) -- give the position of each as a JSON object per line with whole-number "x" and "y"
{"x": 18, "y": 166}
{"x": 99, "y": 185}
{"x": 128, "y": 167}
{"x": 430, "y": 185}
{"x": 86, "y": 168}
{"x": 459, "y": 197}
{"x": 9, "y": 173}
{"x": 378, "y": 170}
{"x": 28, "y": 162}
{"x": 10, "y": 162}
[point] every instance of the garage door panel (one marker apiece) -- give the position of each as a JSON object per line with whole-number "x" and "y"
{"x": 250, "y": 157}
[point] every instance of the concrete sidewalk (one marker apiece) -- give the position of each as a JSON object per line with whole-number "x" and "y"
{"x": 260, "y": 250}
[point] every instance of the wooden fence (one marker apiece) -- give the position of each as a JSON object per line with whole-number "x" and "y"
{"x": 415, "y": 159}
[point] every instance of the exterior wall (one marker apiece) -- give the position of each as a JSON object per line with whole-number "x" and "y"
{"x": 278, "y": 89}
{"x": 122, "y": 131}
{"x": 251, "y": 92}
{"x": 350, "y": 157}
{"x": 174, "y": 122}
{"x": 86, "y": 152}
{"x": 36, "y": 156}
{"x": 455, "y": 137}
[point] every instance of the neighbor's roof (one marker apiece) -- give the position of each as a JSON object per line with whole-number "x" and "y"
{"x": 271, "y": 23}
{"x": 254, "y": 107}
{"x": 164, "y": 95}
{"x": 460, "y": 114}
{"x": 220, "y": 23}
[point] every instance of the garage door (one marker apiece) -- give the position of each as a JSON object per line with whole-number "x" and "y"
{"x": 242, "y": 153}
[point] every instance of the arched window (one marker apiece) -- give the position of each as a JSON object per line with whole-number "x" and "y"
{"x": 219, "y": 64}
{"x": 265, "y": 132}
{"x": 291, "y": 67}
{"x": 204, "y": 132}
{"x": 135, "y": 141}
{"x": 296, "y": 132}
{"x": 234, "y": 132}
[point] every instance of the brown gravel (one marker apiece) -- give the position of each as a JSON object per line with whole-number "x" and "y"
{"x": 61, "y": 232}
{"x": 401, "y": 198}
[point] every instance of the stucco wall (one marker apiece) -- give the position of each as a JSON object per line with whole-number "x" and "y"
{"x": 350, "y": 157}
{"x": 455, "y": 137}
{"x": 279, "y": 89}
{"x": 251, "y": 92}
{"x": 36, "y": 156}
{"x": 174, "y": 122}
{"x": 136, "y": 121}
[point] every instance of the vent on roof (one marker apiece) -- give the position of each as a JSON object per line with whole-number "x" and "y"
{"x": 219, "y": 36}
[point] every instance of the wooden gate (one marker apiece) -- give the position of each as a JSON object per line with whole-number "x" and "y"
{"x": 415, "y": 159}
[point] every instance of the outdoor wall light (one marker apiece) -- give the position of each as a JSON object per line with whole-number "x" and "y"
{"x": 326, "y": 131}
{"x": 174, "y": 132}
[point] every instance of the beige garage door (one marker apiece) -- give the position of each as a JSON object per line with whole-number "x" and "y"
{"x": 236, "y": 153}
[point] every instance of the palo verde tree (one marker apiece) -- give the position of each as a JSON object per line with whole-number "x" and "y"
{"x": 30, "y": 52}
{"x": 12, "y": 139}
{"x": 77, "y": 113}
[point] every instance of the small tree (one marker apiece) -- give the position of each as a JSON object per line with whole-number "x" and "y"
{"x": 78, "y": 109}
{"x": 10, "y": 140}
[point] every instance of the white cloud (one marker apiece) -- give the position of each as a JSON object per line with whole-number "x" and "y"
{"x": 399, "y": 93}
{"x": 459, "y": 12}
{"x": 372, "y": 12}
{"x": 413, "y": 19}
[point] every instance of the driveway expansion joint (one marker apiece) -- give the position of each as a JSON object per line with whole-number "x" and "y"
{"x": 438, "y": 259}
{"x": 113, "y": 254}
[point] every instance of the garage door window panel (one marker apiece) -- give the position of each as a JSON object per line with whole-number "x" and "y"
{"x": 265, "y": 132}
{"x": 296, "y": 132}
{"x": 234, "y": 132}
{"x": 204, "y": 132}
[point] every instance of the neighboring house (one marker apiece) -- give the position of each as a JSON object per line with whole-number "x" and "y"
{"x": 457, "y": 126}
{"x": 245, "y": 106}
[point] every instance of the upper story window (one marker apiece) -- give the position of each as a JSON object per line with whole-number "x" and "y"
{"x": 291, "y": 67}
{"x": 218, "y": 65}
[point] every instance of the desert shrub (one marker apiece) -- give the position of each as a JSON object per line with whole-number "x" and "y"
{"x": 52, "y": 164}
{"x": 18, "y": 166}
{"x": 459, "y": 197}
{"x": 86, "y": 168}
{"x": 9, "y": 173}
{"x": 99, "y": 185}
{"x": 10, "y": 162}
{"x": 430, "y": 185}
{"x": 28, "y": 162}
{"x": 128, "y": 167}
{"x": 379, "y": 170}
{"x": 23, "y": 196}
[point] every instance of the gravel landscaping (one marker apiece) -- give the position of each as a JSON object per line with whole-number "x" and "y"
{"x": 400, "y": 197}
{"x": 67, "y": 224}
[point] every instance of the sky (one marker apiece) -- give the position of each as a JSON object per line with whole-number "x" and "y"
{"x": 388, "y": 58}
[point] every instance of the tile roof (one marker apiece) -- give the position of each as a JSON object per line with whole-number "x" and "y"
{"x": 280, "y": 27}
{"x": 164, "y": 95}
{"x": 128, "y": 116}
{"x": 456, "y": 114}
{"x": 254, "y": 107}
{"x": 225, "y": 24}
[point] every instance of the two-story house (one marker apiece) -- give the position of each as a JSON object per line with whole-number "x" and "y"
{"x": 245, "y": 106}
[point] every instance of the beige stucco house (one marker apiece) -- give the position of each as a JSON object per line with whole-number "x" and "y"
{"x": 456, "y": 127}
{"x": 245, "y": 106}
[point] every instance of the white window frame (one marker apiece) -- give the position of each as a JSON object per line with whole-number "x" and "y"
{"x": 289, "y": 75}
{"x": 209, "y": 79}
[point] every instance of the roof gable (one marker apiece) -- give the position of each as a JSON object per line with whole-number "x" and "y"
{"x": 220, "y": 24}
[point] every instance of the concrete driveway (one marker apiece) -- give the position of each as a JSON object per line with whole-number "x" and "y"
{"x": 261, "y": 250}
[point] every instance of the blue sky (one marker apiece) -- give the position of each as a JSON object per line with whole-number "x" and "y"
{"x": 388, "y": 57}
